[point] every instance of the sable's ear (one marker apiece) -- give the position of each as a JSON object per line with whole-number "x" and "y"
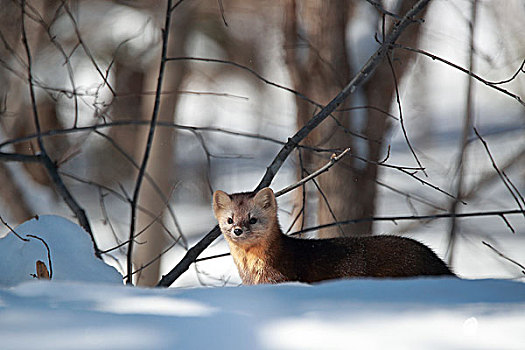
{"x": 265, "y": 199}
{"x": 221, "y": 200}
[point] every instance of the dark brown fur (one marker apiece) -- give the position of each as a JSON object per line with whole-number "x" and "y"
{"x": 263, "y": 254}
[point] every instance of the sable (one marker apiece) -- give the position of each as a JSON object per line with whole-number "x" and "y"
{"x": 263, "y": 254}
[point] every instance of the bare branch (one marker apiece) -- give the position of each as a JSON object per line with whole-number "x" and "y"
{"x": 521, "y": 69}
{"x": 474, "y": 188}
{"x": 382, "y": 10}
{"x": 46, "y": 161}
{"x": 513, "y": 190}
{"x": 86, "y": 48}
{"x": 12, "y": 230}
{"x": 327, "y": 203}
{"x": 24, "y": 158}
{"x": 151, "y": 133}
{"x": 212, "y": 257}
{"x": 249, "y": 70}
{"x": 48, "y": 254}
{"x": 150, "y": 180}
{"x": 168, "y": 248}
{"x": 172, "y": 8}
{"x": 414, "y": 217}
{"x": 190, "y": 128}
{"x": 126, "y": 199}
{"x": 505, "y": 257}
{"x": 401, "y": 119}
{"x": 334, "y": 159}
{"x": 493, "y": 85}
{"x": 221, "y": 8}
{"x": 311, "y": 177}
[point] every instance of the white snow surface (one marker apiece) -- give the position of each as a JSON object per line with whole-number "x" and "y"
{"x": 78, "y": 309}
{"x": 361, "y": 314}
{"x": 67, "y": 313}
{"x": 70, "y": 249}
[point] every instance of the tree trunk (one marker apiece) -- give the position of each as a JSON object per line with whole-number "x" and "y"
{"x": 319, "y": 71}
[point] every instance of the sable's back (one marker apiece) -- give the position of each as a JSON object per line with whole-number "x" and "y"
{"x": 373, "y": 256}
{"x": 402, "y": 257}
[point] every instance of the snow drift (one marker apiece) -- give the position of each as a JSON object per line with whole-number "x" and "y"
{"x": 70, "y": 249}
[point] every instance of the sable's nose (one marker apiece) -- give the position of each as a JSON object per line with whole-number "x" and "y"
{"x": 237, "y": 231}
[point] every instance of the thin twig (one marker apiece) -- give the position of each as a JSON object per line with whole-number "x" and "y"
{"x": 401, "y": 119}
{"x": 46, "y": 161}
{"x": 513, "y": 190}
{"x": 212, "y": 257}
{"x": 377, "y": 109}
{"x": 149, "y": 142}
{"x": 86, "y": 48}
{"x": 327, "y": 203}
{"x": 221, "y": 8}
{"x": 105, "y": 214}
{"x": 190, "y": 128}
{"x": 334, "y": 159}
{"x": 172, "y": 8}
{"x": 492, "y": 85}
{"x": 150, "y": 180}
{"x": 168, "y": 248}
{"x": 125, "y": 198}
{"x": 480, "y": 183}
{"x": 48, "y": 254}
{"x": 505, "y": 81}
{"x": 12, "y": 230}
{"x": 413, "y": 217}
{"x": 424, "y": 182}
{"x": 505, "y": 257}
{"x": 247, "y": 69}
{"x": 382, "y": 10}
{"x": 410, "y": 196}
{"x": 24, "y": 158}
{"x": 504, "y": 218}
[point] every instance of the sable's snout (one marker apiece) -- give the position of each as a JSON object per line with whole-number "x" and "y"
{"x": 237, "y": 231}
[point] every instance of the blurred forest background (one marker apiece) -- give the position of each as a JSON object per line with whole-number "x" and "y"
{"x": 79, "y": 87}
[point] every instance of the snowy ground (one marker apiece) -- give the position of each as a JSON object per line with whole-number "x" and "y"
{"x": 74, "y": 311}
{"x": 362, "y": 314}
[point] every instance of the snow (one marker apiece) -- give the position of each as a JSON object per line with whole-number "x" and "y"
{"x": 79, "y": 309}
{"x": 70, "y": 248}
{"x": 394, "y": 314}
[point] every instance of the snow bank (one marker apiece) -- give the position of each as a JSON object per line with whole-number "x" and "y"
{"x": 421, "y": 313}
{"x": 70, "y": 248}
{"x": 80, "y": 313}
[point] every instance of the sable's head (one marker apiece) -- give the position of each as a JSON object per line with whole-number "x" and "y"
{"x": 245, "y": 218}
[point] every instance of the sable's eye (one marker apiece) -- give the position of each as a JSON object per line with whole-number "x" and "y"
{"x": 253, "y": 221}
{"x": 230, "y": 221}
